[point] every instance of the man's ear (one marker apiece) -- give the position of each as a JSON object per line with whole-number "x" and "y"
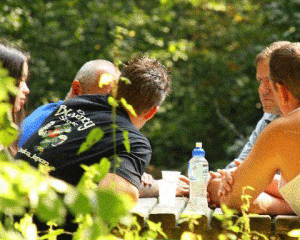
{"x": 76, "y": 88}
{"x": 150, "y": 114}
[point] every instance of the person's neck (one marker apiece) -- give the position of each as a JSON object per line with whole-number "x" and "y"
{"x": 290, "y": 106}
{"x": 294, "y": 110}
{"x": 137, "y": 121}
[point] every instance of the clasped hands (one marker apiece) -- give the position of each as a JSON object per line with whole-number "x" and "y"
{"x": 220, "y": 184}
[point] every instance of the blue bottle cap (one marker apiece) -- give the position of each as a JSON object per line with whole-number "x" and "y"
{"x": 198, "y": 150}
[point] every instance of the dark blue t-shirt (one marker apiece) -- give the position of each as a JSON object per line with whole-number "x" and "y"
{"x": 58, "y": 139}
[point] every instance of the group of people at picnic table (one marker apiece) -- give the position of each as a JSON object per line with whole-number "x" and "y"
{"x": 53, "y": 133}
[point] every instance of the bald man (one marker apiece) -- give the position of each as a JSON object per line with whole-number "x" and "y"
{"x": 85, "y": 82}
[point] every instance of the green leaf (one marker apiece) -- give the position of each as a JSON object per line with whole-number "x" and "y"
{"x": 112, "y": 101}
{"x": 93, "y": 137}
{"x": 59, "y": 185}
{"x": 126, "y": 80}
{"x": 117, "y": 161}
{"x": 246, "y": 197}
{"x": 235, "y": 229}
{"x": 294, "y": 233}
{"x": 219, "y": 216}
{"x": 6, "y": 189}
{"x": 126, "y": 141}
{"x": 103, "y": 169}
{"x": 110, "y": 206}
{"x": 8, "y": 136}
{"x": 227, "y": 211}
{"x": 128, "y": 107}
{"x": 187, "y": 236}
{"x": 7, "y": 84}
{"x": 78, "y": 202}
{"x": 27, "y": 227}
{"x": 51, "y": 208}
{"x": 52, "y": 234}
{"x": 250, "y": 188}
{"x": 84, "y": 230}
{"x": 8, "y": 130}
{"x": 156, "y": 228}
{"x": 222, "y": 237}
{"x": 95, "y": 172}
{"x": 3, "y": 94}
{"x": 45, "y": 170}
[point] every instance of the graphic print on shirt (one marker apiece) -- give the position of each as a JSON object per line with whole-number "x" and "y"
{"x": 55, "y": 135}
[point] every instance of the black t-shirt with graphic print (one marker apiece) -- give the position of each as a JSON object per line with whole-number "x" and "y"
{"x": 57, "y": 141}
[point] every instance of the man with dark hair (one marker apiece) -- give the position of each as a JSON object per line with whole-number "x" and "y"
{"x": 154, "y": 88}
{"x": 57, "y": 141}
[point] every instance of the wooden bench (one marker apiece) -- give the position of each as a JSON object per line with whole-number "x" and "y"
{"x": 174, "y": 220}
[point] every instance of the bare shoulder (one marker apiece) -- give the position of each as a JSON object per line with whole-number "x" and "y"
{"x": 287, "y": 127}
{"x": 277, "y": 141}
{"x": 283, "y": 127}
{"x": 288, "y": 135}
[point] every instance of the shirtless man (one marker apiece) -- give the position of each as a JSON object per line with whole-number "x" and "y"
{"x": 277, "y": 148}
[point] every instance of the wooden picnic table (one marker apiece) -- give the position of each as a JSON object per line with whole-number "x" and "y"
{"x": 173, "y": 220}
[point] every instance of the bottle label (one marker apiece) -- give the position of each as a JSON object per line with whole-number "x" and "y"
{"x": 198, "y": 174}
{"x": 195, "y": 171}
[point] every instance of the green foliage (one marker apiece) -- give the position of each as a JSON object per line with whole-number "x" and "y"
{"x": 25, "y": 188}
{"x": 113, "y": 102}
{"x": 192, "y": 221}
{"x": 209, "y": 47}
{"x": 7, "y": 84}
{"x": 8, "y": 130}
{"x": 124, "y": 79}
{"x": 27, "y": 227}
{"x": 94, "y": 174}
{"x": 294, "y": 233}
{"x": 126, "y": 141}
{"x": 239, "y": 229}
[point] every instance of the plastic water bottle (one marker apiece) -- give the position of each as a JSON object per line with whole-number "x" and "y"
{"x": 198, "y": 175}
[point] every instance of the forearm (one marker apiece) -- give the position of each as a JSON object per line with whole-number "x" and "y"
{"x": 268, "y": 204}
{"x": 272, "y": 189}
{"x": 152, "y": 190}
{"x": 119, "y": 184}
{"x": 149, "y": 190}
